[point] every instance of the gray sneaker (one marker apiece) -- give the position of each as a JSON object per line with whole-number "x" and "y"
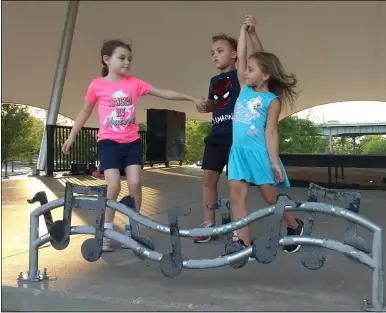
{"x": 128, "y": 234}
{"x": 107, "y": 245}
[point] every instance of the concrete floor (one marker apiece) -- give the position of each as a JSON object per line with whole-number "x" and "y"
{"x": 119, "y": 281}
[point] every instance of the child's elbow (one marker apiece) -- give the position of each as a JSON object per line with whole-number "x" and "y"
{"x": 271, "y": 132}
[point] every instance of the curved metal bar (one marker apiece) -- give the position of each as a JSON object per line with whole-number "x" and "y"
{"x": 193, "y": 232}
{"x": 220, "y": 261}
{"x": 48, "y": 206}
{"x": 254, "y": 216}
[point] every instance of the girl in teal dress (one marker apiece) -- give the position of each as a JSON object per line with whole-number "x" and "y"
{"x": 254, "y": 157}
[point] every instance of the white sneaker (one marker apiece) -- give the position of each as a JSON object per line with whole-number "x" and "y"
{"x": 107, "y": 245}
{"x": 128, "y": 234}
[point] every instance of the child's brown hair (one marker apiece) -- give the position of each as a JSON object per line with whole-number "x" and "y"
{"x": 280, "y": 82}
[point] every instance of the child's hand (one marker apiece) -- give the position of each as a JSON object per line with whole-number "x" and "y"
{"x": 67, "y": 145}
{"x": 244, "y": 27}
{"x": 250, "y": 21}
{"x": 201, "y": 105}
{"x": 278, "y": 172}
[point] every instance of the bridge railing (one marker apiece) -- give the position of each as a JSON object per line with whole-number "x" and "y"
{"x": 264, "y": 250}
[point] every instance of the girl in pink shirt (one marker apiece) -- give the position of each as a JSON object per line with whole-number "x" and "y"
{"x": 119, "y": 145}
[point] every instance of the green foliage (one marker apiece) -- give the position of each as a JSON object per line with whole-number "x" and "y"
{"x": 301, "y": 136}
{"x": 342, "y": 145}
{"x": 27, "y": 147}
{"x": 16, "y": 124}
{"x": 142, "y": 127}
{"x": 373, "y": 144}
{"x": 196, "y": 131}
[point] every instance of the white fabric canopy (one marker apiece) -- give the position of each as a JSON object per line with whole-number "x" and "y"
{"x": 337, "y": 49}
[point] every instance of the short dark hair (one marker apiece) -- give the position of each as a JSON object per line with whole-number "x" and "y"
{"x": 108, "y": 48}
{"x": 232, "y": 41}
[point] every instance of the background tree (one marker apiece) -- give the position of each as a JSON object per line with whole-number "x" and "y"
{"x": 142, "y": 127}
{"x": 196, "y": 131}
{"x": 373, "y": 144}
{"x": 15, "y": 123}
{"x": 26, "y": 147}
{"x": 301, "y": 136}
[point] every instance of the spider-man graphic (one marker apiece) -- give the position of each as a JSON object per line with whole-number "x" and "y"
{"x": 222, "y": 92}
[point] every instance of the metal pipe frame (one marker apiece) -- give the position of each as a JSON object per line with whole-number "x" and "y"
{"x": 374, "y": 261}
{"x": 60, "y": 76}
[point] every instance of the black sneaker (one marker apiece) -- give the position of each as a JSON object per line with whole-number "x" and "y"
{"x": 294, "y": 232}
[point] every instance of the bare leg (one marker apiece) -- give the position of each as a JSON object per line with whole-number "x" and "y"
{"x": 133, "y": 177}
{"x": 269, "y": 193}
{"x": 210, "y": 193}
{"x": 113, "y": 182}
{"x": 238, "y": 195}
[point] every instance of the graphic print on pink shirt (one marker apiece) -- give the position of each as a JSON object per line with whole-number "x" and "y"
{"x": 123, "y": 114}
{"x": 116, "y": 107}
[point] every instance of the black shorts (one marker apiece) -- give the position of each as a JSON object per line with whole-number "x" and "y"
{"x": 117, "y": 155}
{"x": 216, "y": 154}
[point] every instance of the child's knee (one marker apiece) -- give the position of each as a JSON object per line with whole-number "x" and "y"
{"x": 134, "y": 186}
{"x": 237, "y": 192}
{"x": 113, "y": 190}
{"x": 211, "y": 180}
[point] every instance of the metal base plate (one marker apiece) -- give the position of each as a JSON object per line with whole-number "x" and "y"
{"x": 368, "y": 307}
{"x": 38, "y": 278}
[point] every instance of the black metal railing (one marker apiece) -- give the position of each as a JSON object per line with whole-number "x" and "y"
{"x": 84, "y": 150}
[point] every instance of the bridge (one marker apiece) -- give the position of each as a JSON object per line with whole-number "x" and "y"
{"x": 350, "y": 130}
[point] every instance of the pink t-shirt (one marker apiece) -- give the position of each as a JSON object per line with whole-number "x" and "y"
{"x": 116, "y": 107}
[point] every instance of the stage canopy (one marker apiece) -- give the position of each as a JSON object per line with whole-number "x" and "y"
{"x": 336, "y": 48}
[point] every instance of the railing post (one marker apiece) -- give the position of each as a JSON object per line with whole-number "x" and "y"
{"x": 377, "y": 284}
{"x": 50, "y": 150}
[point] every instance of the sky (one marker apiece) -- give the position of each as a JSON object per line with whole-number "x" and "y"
{"x": 350, "y": 112}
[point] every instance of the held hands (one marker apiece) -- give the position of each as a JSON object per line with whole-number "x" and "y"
{"x": 202, "y": 105}
{"x": 67, "y": 145}
{"x": 278, "y": 172}
{"x": 249, "y": 23}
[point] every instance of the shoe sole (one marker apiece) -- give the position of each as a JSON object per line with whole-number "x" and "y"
{"x": 203, "y": 240}
{"x": 298, "y": 247}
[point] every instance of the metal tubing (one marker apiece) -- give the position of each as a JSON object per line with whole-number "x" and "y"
{"x": 60, "y": 76}
{"x": 377, "y": 282}
{"x": 374, "y": 261}
{"x": 33, "y": 250}
{"x": 224, "y": 229}
{"x": 220, "y": 261}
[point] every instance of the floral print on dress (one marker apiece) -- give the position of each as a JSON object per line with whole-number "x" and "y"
{"x": 254, "y": 104}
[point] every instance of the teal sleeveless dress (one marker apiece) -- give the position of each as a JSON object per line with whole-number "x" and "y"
{"x": 249, "y": 159}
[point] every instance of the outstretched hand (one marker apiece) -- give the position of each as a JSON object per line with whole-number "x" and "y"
{"x": 250, "y": 23}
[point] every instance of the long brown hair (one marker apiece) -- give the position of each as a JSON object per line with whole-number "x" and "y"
{"x": 108, "y": 49}
{"x": 280, "y": 83}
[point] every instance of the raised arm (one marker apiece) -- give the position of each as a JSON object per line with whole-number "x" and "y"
{"x": 253, "y": 37}
{"x": 242, "y": 55}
